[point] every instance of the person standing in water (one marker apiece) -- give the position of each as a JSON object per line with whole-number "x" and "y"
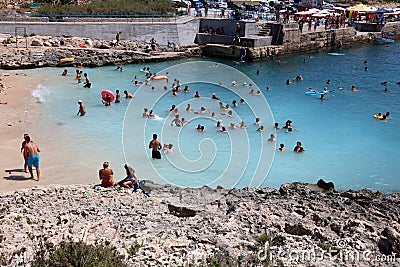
{"x": 82, "y": 108}
{"x": 32, "y": 151}
{"x": 117, "y": 96}
{"x": 155, "y": 145}
{"x": 88, "y": 84}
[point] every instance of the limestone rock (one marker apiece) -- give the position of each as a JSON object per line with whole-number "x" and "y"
{"x": 297, "y": 229}
{"x": 36, "y": 42}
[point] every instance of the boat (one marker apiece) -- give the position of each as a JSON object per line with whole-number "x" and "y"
{"x": 383, "y": 40}
{"x": 67, "y": 60}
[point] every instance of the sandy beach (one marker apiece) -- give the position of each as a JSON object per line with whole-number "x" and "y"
{"x": 17, "y": 117}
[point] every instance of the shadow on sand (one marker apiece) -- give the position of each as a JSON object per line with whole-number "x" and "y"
{"x": 16, "y": 177}
{"x": 14, "y": 170}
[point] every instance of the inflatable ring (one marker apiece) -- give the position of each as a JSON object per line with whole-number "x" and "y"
{"x": 107, "y": 93}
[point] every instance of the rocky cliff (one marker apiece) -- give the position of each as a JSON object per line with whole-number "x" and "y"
{"x": 46, "y": 51}
{"x": 298, "y": 224}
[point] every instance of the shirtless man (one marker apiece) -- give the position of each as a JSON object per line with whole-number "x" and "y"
{"x": 32, "y": 150}
{"x": 106, "y": 175}
{"x": 88, "y": 84}
{"x": 117, "y": 96}
{"x": 82, "y": 108}
{"x": 127, "y": 94}
{"x": 155, "y": 145}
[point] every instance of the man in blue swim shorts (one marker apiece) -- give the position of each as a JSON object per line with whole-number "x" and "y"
{"x": 32, "y": 151}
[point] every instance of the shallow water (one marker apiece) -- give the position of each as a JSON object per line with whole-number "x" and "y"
{"x": 343, "y": 142}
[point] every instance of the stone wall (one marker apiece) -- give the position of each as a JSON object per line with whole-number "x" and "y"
{"x": 180, "y": 33}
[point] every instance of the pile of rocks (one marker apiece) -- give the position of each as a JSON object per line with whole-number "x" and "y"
{"x": 46, "y": 51}
{"x": 196, "y": 226}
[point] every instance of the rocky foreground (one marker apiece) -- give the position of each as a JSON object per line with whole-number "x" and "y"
{"x": 46, "y": 51}
{"x": 298, "y": 224}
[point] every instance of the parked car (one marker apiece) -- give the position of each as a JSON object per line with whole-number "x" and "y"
{"x": 221, "y": 4}
{"x": 197, "y": 4}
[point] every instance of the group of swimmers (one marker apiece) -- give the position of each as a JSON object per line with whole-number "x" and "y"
{"x": 382, "y": 117}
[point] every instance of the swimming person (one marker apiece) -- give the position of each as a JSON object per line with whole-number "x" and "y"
{"x": 127, "y": 94}
{"x": 271, "y": 138}
{"x": 222, "y": 130}
{"x": 146, "y": 113}
{"x": 260, "y": 129}
{"x": 106, "y": 175}
{"x": 107, "y": 101}
{"x": 197, "y": 95}
{"x": 64, "y": 73}
{"x": 298, "y": 148}
{"x": 282, "y": 148}
{"x": 82, "y": 108}
{"x": 117, "y": 96}
{"x": 189, "y": 108}
{"x": 32, "y": 151}
{"x": 155, "y": 145}
{"x": 214, "y": 96}
{"x": 258, "y": 122}
{"x": 168, "y": 148}
{"x": 177, "y": 121}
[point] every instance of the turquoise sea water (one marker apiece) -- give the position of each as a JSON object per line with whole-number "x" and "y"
{"x": 343, "y": 142}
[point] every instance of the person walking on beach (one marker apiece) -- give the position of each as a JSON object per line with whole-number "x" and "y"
{"x": 82, "y": 108}
{"x": 32, "y": 151}
{"x": 155, "y": 145}
{"x": 25, "y": 153}
{"x": 106, "y": 175}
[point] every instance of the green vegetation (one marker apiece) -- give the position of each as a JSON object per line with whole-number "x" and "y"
{"x": 273, "y": 241}
{"x": 79, "y": 254}
{"x": 108, "y": 7}
{"x": 331, "y": 249}
{"x": 263, "y": 238}
{"x": 17, "y": 218}
{"x": 134, "y": 249}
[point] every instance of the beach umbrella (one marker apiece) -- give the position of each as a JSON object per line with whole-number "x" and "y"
{"x": 381, "y": 11}
{"x": 360, "y": 8}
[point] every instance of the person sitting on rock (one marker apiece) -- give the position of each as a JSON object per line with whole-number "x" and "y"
{"x": 106, "y": 175}
{"x": 130, "y": 181}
